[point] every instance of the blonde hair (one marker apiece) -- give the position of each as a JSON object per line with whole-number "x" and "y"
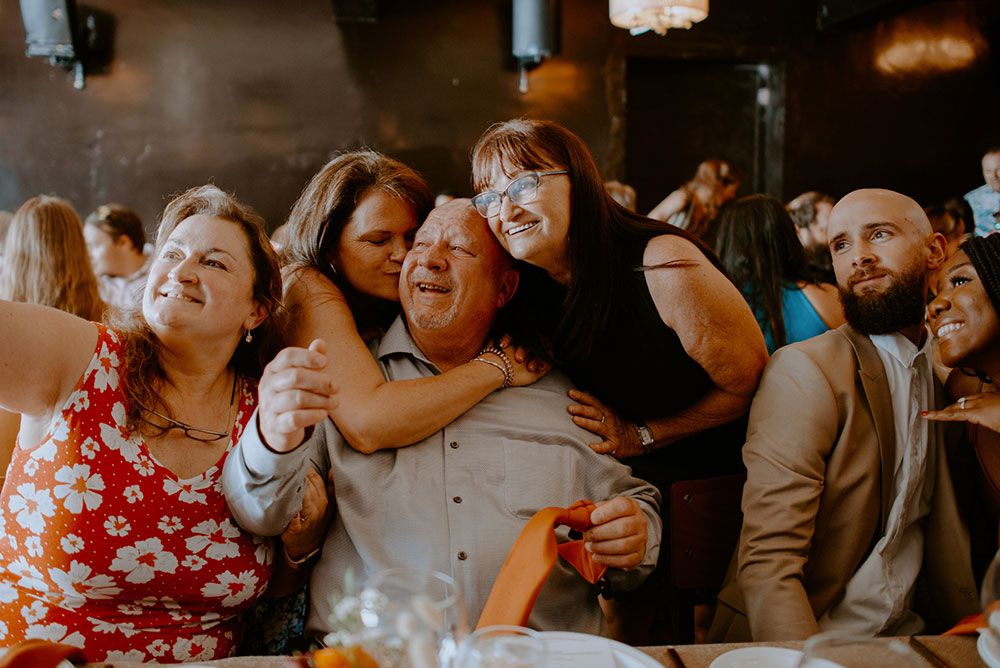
{"x": 45, "y": 259}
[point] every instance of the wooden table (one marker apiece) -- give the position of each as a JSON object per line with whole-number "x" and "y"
{"x": 938, "y": 651}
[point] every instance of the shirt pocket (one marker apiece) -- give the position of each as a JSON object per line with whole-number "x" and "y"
{"x": 536, "y": 476}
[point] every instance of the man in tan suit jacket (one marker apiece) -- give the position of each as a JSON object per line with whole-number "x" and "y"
{"x": 830, "y": 539}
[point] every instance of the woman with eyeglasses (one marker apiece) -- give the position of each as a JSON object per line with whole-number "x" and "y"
{"x": 641, "y": 316}
{"x": 346, "y": 239}
{"x": 116, "y": 536}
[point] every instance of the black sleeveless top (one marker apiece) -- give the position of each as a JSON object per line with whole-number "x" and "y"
{"x": 641, "y": 370}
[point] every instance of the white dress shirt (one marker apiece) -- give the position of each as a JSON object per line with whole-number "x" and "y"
{"x": 878, "y": 597}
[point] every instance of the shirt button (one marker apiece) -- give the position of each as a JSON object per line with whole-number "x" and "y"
{"x": 454, "y": 445}
{"x": 457, "y": 499}
{"x": 462, "y": 556}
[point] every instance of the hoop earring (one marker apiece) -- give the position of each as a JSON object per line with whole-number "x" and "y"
{"x": 249, "y": 337}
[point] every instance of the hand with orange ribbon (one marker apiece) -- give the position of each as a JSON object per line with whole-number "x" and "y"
{"x": 611, "y": 530}
{"x": 617, "y": 538}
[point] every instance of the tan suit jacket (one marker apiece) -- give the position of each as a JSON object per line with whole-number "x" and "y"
{"x": 820, "y": 455}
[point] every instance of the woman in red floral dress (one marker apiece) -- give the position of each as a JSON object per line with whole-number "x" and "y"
{"x": 115, "y": 535}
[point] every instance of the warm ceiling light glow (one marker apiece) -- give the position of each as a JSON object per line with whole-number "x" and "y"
{"x": 920, "y": 54}
{"x": 638, "y": 16}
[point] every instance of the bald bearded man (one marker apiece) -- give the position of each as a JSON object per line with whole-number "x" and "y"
{"x": 850, "y": 520}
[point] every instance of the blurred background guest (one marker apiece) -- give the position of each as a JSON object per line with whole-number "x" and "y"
{"x": 45, "y": 262}
{"x": 622, "y": 193}
{"x": 756, "y": 241}
{"x": 116, "y": 240}
{"x": 985, "y": 200}
{"x": 695, "y": 204}
{"x": 949, "y": 219}
{"x": 810, "y": 212}
{"x": 965, "y": 318}
{"x": 5, "y": 218}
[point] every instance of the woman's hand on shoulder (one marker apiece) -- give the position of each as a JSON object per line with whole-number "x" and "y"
{"x": 619, "y": 437}
{"x": 527, "y": 367}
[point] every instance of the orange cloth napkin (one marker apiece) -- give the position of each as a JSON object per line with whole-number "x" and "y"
{"x": 39, "y": 654}
{"x": 973, "y": 623}
{"x": 531, "y": 559}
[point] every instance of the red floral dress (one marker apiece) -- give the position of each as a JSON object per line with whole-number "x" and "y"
{"x": 103, "y": 548}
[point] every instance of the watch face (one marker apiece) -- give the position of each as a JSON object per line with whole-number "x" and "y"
{"x": 645, "y": 435}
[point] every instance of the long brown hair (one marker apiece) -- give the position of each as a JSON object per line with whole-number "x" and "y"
{"x": 45, "y": 259}
{"x": 139, "y": 344}
{"x": 602, "y": 233}
{"x": 326, "y": 204}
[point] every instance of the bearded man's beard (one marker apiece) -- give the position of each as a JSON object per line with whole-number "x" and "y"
{"x": 900, "y": 306}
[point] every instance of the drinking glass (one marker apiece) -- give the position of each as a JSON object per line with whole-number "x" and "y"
{"x": 407, "y": 618}
{"x": 503, "y": 647}
{"x": 833, "y": 649}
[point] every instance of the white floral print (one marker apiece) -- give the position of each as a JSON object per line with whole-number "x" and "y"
{"x": 31, "y": 506}
{"x": 143, "y": 560}
{"x": 77, "y": 585}
{"x": 91, "y": 524}
{"x": 71, "y": 544}
{"x": 79, "y": 488}
{"x": 213, "y": 537}
{"x": 116, "y": 525}
{"x": 233, "y": 588}
{"x": 187, "y": 491}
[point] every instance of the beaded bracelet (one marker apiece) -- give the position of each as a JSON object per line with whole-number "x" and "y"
{"x": 507, "y": 369}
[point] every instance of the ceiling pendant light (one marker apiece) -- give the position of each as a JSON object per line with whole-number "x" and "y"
{"x": 639, "y": 16}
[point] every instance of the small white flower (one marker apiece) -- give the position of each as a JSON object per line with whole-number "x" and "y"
{"x": 193, "y": 562}
{"x": 31, "y": 467}
{"x": 71, "y": 543}
{"x": 214, "y": 537}
{"x": 34, "y": 546}
{"x": 133, "y": 493}
{"x": 169, "y": 524}
{"x": 34, "y": 612}
{"x": 133, "y": 655}
{"x": 158, "y": 647}
{"x": 81, "y": 400}
{"x": 116, "y": 525}
{"x": 117, "y": 436}
{"x": 187, "y": 491}
{"x": 144, "y": 465}
{"x": 234, "y": 589}
{"x": 31, "y": 506}
{"x": 79, "y": 487}
{"x": 77, "y": 585}
{"x": 106, "y": 374}
{"x": 56, "y": 633}
{"x": 8, "y": 594}
{"x": 89, "y": 448}
{"x": 196, "y": 648}
{"x": 143, "y": 560}
{"x": 129, "y": 609}
{"x": 3, "y": 631}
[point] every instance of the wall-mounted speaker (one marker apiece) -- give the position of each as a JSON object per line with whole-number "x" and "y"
{"x": 49, "y": 28}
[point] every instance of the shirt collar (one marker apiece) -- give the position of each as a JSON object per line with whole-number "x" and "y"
{"x": 397, "y": 341}
{"x": 901, "y": 348}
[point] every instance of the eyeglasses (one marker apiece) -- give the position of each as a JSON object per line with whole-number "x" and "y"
{"x": 520, "y": 191}
{"x": 194, "y": 433}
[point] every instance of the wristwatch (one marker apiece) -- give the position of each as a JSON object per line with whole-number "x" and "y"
{"x": 646, "y": 439}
